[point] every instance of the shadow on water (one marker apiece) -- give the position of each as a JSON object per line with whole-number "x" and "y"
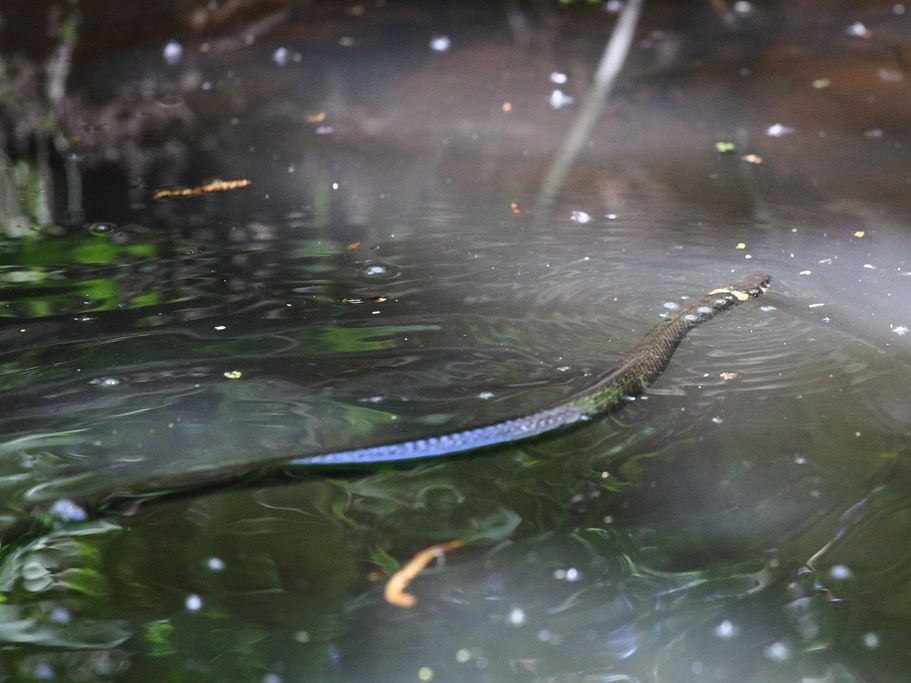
{"x": 384, "y": 278}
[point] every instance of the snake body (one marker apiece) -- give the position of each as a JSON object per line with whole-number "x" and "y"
{"x": 617, "y": 386}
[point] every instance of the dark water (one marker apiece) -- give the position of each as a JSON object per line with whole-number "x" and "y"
{"x": 745, "y": 521}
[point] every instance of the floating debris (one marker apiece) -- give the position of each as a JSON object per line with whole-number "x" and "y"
{"x": 395, "y": 588}
{"x": 214, "y": 186}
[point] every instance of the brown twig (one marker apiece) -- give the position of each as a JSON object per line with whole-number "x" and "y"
{"x": 395, "y": 588}
{"x": 215, "y": 186}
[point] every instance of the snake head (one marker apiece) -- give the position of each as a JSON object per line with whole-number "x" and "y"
{"x": 755, "y": 284}
{"x": 748, "y": 287}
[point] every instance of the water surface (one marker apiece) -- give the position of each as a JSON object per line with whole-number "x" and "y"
{"x": 395, "y": 278}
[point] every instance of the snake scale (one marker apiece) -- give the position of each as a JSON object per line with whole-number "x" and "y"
{"x": 614, "y": 388}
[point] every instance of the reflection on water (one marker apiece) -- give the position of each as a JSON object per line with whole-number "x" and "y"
{"x": 744, "y": 521}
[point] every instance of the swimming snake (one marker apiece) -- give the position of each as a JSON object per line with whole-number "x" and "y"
{"x": 611, "y": 391}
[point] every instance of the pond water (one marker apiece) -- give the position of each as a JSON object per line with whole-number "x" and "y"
{"x": 393, "y": 278}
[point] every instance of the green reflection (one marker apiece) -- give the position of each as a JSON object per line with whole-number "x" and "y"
{"x": 50, "y": 275}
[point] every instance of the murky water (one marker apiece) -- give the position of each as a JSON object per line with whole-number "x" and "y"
{"x": 746, "y": 520}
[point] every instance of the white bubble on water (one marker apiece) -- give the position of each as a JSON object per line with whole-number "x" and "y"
{"x": 580, "y": 217}
{"x": 726, "y": 630}
{"x": 777, "y": 130}
{"x": 440, "y": 43}
{"x": 281, "y": 56}
{"x": 559, "y": 99}
{"x": 778, "y": 652}
{"x": 68, "y": 511}
{"x": 840, "y": 572}
{"x": 172, "y": 53}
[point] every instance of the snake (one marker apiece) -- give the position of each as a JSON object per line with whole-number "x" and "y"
{"x": 608, "y": 393}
